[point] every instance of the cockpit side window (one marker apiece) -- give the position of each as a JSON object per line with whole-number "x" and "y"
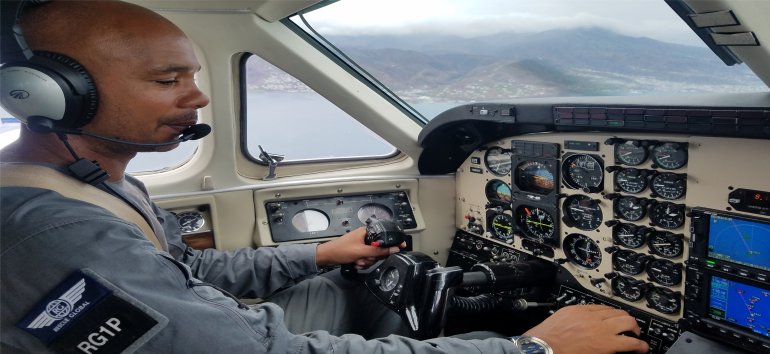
{"x": 284, "y": 116}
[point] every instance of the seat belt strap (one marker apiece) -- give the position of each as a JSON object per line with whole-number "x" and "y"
{"x": 25, "y": 175}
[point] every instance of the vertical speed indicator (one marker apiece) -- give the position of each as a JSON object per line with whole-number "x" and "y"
{"x": 581, "y": 171}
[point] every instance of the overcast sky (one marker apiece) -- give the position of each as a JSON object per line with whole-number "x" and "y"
{"x": 638, "y": 18}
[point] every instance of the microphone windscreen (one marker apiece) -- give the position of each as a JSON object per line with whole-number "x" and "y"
{"x": 197, "y": 131}
{"x": 40, "y": 125}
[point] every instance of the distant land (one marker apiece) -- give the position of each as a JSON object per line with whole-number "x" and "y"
{"x": 577, "y": 62}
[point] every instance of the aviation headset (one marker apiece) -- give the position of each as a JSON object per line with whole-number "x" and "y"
{"x": 43, "y": 85}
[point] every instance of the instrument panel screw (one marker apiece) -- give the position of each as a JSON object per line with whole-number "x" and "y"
{"x": 277, "y": 195}
{"x": 339, "y": 190}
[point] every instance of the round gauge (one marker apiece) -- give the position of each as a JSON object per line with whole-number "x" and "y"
{"x": 669, "y": 185}
{"x": 501, "y": 227}
{"x": 374, "y": 210}
{"x": 628, "y": 288}
{"x": 535, "y": 222}
{"x": 310, "y": 220}
{"x": 630, "y": 153}
{"x": 190, "y": 221}
{"x": 389, "y": 279}
{"x": 665, "y": 272}
{"x": 670, "y": 156}
{"x": 667, "y": 215}
{"x": 628, "y": 235}
{"x": 498, "y": 161}
{"x": 630, "y": 208}
{"x": 663, "y": 300}
{"x": 666, "y": 244}
{"x": 629, "y": 262}
{"x": 630, "y": 180}
{"x": 498, "y": 191}
{"x": 582, "y": 251}
{"x": 534, "y": 177}
{"x": 582, "y": 212}
{"x": 581, "y": 171}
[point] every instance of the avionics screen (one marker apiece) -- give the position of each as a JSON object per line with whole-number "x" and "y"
{"x": 739, "y": 241}
{"x": 737, "y": 303}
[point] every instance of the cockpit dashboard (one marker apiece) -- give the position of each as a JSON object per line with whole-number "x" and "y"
{"x": 673, "y": 227}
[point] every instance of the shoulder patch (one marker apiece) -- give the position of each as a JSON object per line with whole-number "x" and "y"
{"x": 87, "y": 314}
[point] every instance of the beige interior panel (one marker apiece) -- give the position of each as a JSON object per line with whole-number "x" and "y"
{"x": 231, "y": 213}
{"x": 437, "y": 196}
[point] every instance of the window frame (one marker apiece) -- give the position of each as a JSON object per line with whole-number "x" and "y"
{"x": 243, "y": 112}
{"x": 329, "y": 50}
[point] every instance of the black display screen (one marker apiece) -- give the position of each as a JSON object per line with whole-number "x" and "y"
{"x": 758, "y": 199}
{"x": 750, "y": 200}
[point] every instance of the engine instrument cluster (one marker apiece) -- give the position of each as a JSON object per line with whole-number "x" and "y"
{"x": 311, "y": 218}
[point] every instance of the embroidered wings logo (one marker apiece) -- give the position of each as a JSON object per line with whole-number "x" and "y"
{"x": 61, "y": 307}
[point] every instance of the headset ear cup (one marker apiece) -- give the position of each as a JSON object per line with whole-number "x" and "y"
{"x": 81, "y": 96}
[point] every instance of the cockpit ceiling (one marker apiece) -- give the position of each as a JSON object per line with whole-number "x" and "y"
{"x": 268, "y": 10}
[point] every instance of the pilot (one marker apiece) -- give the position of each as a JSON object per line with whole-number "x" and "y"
{"x": 78, "y": 278}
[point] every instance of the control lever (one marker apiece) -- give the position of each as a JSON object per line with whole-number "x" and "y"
{"x": 379, "y": 233}
{"x": 383, "y": 233}
{"x": 522, "y": 304}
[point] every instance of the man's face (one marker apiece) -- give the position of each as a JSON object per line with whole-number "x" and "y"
{"x": 147, "y": 89}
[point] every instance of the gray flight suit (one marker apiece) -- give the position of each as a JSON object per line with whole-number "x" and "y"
{"x": 46, "y": 237}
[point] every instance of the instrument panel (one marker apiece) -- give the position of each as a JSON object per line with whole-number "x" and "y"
{"x": 612, "y": 209}
{"x": 319, "y": 217}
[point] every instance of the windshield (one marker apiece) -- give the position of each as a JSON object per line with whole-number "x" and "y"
{"x": 436, "y": 54}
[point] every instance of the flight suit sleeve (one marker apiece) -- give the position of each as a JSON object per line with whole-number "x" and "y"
{"x": 201, "y": 319}
{"x": 247, "y": 272}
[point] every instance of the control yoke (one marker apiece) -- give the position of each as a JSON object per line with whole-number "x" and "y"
{"x": 417, "y": 288}
{"x": 413, "y": 285}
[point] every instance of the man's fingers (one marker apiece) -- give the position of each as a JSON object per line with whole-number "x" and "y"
{"x": 631, "y": 344}
{"x": 623, "y": 324}
{"x": 589, "y": 307}
{"x": 611, "y": 312}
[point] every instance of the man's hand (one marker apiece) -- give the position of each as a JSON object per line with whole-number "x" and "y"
{"x": 350, "y": 248}
{"x": 590, "y": 329}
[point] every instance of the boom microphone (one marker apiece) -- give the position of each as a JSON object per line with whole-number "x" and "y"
{"x": 44, "y": 125}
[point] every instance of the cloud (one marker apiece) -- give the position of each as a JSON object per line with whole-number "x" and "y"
{"x": 638, "y": 18}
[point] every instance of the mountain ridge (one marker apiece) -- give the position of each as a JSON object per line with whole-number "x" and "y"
{"x": 581, "y": 62}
